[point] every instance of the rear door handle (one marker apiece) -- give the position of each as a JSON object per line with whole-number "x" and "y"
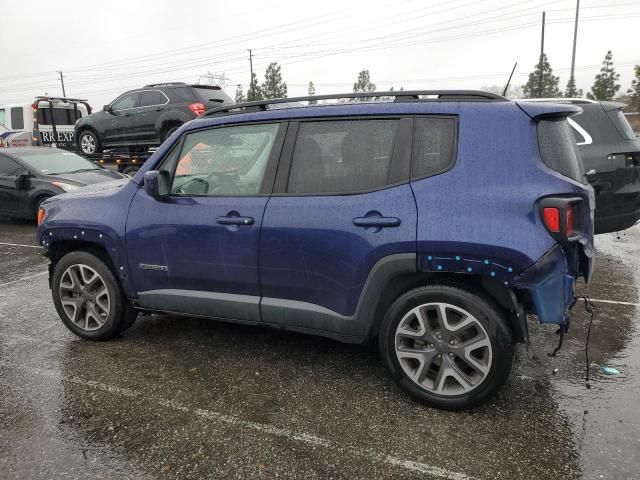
{"x": 235, "y": 220}
{"x": 376, "y": 222}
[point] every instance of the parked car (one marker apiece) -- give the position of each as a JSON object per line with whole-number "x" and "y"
{"x": 147, "y": 116}
{"x": 28, "y": 176}
{"x": 433, "y": 224}
{"x": 47, "y": 121}
{"x": 611, "y": 156}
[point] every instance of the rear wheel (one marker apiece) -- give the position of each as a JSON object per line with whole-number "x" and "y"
{"x": 88, "y": 298}
{"x": 169, "y": 131}
{"x": 89, "y": 143}
{"x": 446, "y": 346}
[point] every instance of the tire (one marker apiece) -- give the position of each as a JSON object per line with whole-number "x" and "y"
{"x": 88, "y": 143}
{"x": 169, "y": 131}
{"x": 412, "y": 337}
{"x": 101, "y": 310}
{"x": 37, "y": 206}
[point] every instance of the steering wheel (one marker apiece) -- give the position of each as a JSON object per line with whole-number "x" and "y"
{"x": 228, "y": 184}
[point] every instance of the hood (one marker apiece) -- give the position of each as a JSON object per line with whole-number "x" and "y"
{"x": 88, "y": 177}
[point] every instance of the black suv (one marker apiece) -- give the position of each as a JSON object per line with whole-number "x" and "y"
{"x": 147, "y": 116}
{"x": 611, "y": 157}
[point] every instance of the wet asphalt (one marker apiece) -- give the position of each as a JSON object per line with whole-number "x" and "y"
{"x": 179, "y": 398}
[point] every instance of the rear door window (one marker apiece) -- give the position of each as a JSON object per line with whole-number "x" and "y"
{"x": 434, "y": 142}
{"x": 558, "y": 148}
{"x": 152, "y": 97}
{"x": 17, "y": 118}
{"x": 343, "y": 156}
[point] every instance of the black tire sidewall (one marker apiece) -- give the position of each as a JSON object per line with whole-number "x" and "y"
{"x": 170, "y": 132}
{"x": 491, "y": 318}
{"x": 113, "y": 324}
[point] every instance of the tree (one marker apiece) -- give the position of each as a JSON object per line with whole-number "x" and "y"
{"x": 254, "y": 92}
{"x": 634, "y": 91}
{"x": 364, "y": 83}
{"x": 542, "y": 83}
{"x": 311, "y": 91}
{"x": 571, "y": 91}
{"x": 273, "y": 85}
{"x": 605, "y": 86}
{"x": 240, "y": 98}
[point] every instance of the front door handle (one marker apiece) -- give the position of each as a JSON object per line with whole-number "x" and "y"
{"x": 375, "y": 221}
{"x": 233, "y": 220}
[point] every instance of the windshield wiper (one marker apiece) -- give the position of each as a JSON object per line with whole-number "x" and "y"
{"x": 82, "y": 170}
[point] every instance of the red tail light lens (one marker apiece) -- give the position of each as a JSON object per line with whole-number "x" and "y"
{"x": 551, "y": 217}
{"x": 570, "y": 217}
{"x": 197, "y": 108}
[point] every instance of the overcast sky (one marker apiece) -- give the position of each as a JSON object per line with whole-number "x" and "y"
{"x": 107, "y": 47}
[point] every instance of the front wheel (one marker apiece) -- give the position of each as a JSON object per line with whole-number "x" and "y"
{"x": 447, "y": 347}
{"x": 88, "y": 298}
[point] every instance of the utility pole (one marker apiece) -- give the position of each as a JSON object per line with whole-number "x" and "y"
{"x": 251, "y": 66}
{"x": 64, "y": 94}
{"x": 575, "y": 38}
{"x": 541, "y": 56}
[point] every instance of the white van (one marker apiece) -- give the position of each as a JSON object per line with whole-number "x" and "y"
{"x": 49, "y": 120}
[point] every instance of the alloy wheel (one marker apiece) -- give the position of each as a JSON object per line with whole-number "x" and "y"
{"x": 84, "y": 297}
{"x": 443, "y": 348}
{"x": 87, "y": 144}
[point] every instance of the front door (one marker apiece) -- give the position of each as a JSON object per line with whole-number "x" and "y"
{"x": 117, "y": 122}
{"x": 196, "y": 252}
{"x": 11, "y": 197}
{"x": 345, "y": 206}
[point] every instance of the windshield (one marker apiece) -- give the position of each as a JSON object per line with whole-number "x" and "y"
{"x": 56, "y": 162}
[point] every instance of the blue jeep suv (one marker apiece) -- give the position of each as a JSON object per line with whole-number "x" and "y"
{"x": 433, "y": 223}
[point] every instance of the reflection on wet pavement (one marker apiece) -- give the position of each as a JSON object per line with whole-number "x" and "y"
{"x": 186, "y": 398}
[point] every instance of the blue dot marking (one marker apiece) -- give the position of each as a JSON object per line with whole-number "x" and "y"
{"x": 493, "y": 274}
{"x": 486, "y": 262}
{"x": 429, "y": 258}
{"x": 439, "y": 267}
{"x": 458, "y": 257}
{"x": 509, "y": 269}
{"x": 469, "y": 269}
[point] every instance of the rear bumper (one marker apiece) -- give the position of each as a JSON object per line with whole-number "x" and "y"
{"x": 547, "y": 288}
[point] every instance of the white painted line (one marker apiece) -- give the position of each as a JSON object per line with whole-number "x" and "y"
{"x": 615, "y": 302}
{"x": 24, "y": 278}
{"x": 410, "y": 465}
{"x": 20, "y": 245}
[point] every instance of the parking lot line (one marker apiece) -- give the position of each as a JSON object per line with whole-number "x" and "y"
{"x": 615, "y": 302}
{"x": 19, "y": 245}
{"x": 313, "y": 440}
{"x": 23, "y": 278}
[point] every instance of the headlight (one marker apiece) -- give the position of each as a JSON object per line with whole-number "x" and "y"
{"x": 67, "y": 187}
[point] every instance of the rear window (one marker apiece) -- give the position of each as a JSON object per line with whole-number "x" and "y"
{"x": 62, "y": 116}
{"x": 558, "y": 149}
{"x": 433, "y": 146}
{"x": 623, "y": 126}
{"x": 212, "y": 95}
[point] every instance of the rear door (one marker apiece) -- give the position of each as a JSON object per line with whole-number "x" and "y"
{"x": 342, "y": 202}
{"x": 119, "y": 121}
{"x": 196, "y": 252}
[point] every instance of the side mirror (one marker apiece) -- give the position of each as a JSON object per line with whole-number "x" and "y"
{"x": 107, "y": 108}
{"x": 156, "y": 183}
{"x": 22, "y": 180}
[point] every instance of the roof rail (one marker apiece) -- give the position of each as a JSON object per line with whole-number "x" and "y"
{"x": 399, "y": 96}
{"x": 164, "y": 84}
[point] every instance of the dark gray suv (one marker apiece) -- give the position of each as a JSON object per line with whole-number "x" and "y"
{"x": 146, "y": 117}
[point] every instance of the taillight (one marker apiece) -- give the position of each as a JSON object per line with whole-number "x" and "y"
{"x": 551, "y": 217}
{"x": 41, "y": 215}
{"x": 561, "y": 217}
{"x": 197, "y": 108}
